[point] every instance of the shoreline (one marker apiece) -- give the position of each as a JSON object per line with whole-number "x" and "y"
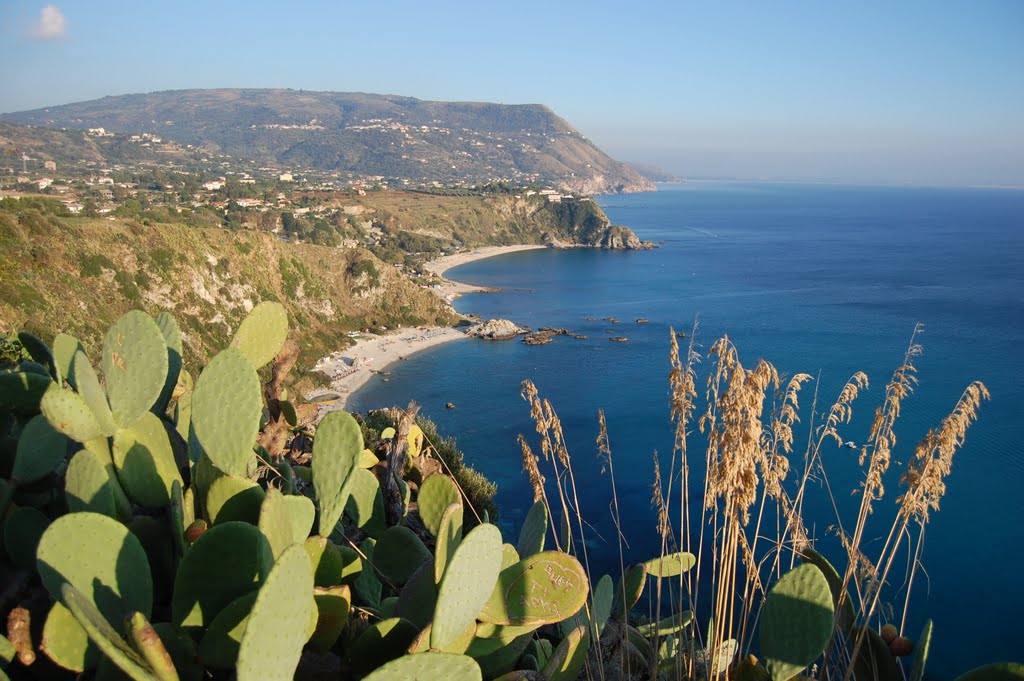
{"x": 352, "y": 368}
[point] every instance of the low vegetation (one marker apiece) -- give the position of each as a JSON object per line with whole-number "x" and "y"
{"x": 161, "y": 526}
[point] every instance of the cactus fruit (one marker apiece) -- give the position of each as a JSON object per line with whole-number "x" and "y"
{"x": 106, "y": 637}
{"x": 398, "y": 554}
{"x": 333, "y": 605}
{"x": 87, "y": 485}
{"x": 567, "y": 660}
{"x": 841, "y": 600}
{"x": 436, "y": 494}
{"x": 194, "y": 531}
{"x": 65, "y": 642}
{"x": 278, "y": 624}
{"x": 628, "y": 591}
{"x": 336, "y": 450}
{"x": 671, "y": 565}
{"x": 418, "y": 597}
{"x": 449, "y": 536}
{"x": 901, "y": 646}
{"x": 134, "y": 366}
{"x": 172, "y": 338}
{"x": 87, "y": 384}
{"x": 223, "y": 564}
{"x": 41, "y": 449}
{"x": 262, "y": 333}
{"x": 379, "y": 644}
{"x": 924, "y": 643}
{"x": 541, "y": 589}
{"x": 67, "y": 412}
{"x": 226, "y": 407}
{"x": 23, "y": 529}
{"x": 428, "y": 666}
{"x": 797, "y": 621}
{"x": 468, "y": 582}
{"x": 365, "y": 505}
{"x": 219, "y": 646}
{"x": 98, "y": 556}
{"x": 889, "y": 632}
{"x": 535, "y": 529}
{"x": 233, "y": 498}
{"x": 145, "y": 461}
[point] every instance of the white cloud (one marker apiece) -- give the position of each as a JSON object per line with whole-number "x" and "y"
{"x": 51, "y": 26}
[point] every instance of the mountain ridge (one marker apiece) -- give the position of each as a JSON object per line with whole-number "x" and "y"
{"x": 418, "y": 141}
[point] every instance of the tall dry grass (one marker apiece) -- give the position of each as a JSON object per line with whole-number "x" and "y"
{"x": 749, "y": 524}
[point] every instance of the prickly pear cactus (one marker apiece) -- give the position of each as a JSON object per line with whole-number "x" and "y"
{"x": 436, "y": 494}
{"x": 172, "y": 338}
{"x": 628, "y": 590}
{"x": 797, "y": 621}
{"x": 278, "y": 624}
{"x": 365, "y": 505}
{"x": 41, "y": 449}
{"x": 534, "y": 530}
{"x": 671, "y": 565}
{"x": 223, "y": 636}
{"x": 87, "y": 384}
{"x": 336, "y": 451}
{"x": 449, "y": 536}
{"x": 134, "y": 366}
{"x": 262, "y": 334}
{"x": 65, "y": 641}
{"x": 23, "y": 529}
{"x": 541, "y": 589}
{"x": 924, "y": 642}
{"x": 428, "y": 666}
{"x": 1001, "y": 671}
{"x": 399, "y": 553}
{"x": 845, "y": 613}
{"x": 145, "y": 461}
{"x": 67, "y": 412}
{"x": 468, "y": 582}
{"x": 226, "y": 409}
{"x": 234, "y": 498}
{"x": 567, "y": 660}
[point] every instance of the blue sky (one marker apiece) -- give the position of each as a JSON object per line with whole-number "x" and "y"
{"x": 909, "y": 91}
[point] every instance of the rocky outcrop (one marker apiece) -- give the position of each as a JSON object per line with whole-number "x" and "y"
{"x": 620, "y": 238}
{"x": 496, "y": 329}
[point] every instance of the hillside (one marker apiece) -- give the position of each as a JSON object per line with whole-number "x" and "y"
{"x": 384, "y": 135}
{"x": 80, "y": 274}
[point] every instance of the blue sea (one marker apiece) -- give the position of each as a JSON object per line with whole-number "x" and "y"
{"x": 821, "y": 279}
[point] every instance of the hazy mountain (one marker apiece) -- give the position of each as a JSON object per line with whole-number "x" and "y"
{"x": 362, "y": 133}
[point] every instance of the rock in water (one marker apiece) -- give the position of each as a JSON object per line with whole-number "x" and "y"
{"x": 496, "y": 329}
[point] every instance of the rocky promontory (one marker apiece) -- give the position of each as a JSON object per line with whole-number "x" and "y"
{"x": 496, "y": 329}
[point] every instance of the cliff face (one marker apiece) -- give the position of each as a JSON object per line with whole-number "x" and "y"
{"x": 363, "y": 134}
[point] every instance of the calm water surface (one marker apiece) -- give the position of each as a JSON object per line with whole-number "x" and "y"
{"x": 827, "y": 279}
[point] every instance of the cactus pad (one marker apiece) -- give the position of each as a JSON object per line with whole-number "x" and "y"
{"x": 1001, "y": 671}
{"x": 333, "y": 605}
{"x": 226, "y": 409}
{"x": 468, "y": 582}
{"x": 275, "y": 524}
{"x": 365, "y": 505}
{"x": 671, "y": 565}
{"x": 234, "y": 498}
{"x": 262, "y": 334}
{"x": 223, "y": 564}
{"x": 541, "y": 589}
{"x": 67, "y": 412}
{"x": 534, "y": 531}
{"x": 145, "y": 461}
{"x": 99, "y": 557}
{"x": 845, "y": 613}
{"x": 428, "y": 666}
{"x": 105, "y": 636}
{"x": 219, "y": 646}
{"x": 64, "y": 349}
{"x": 567, "y": 660}
{"x": 379, "y": 644}
{"x": 172, "y": 338}
{"x": 41, "y": 449}
{"x": 797, "y": 621}
{"x": 924, "y": 644}
{"x": 301, "y": 516}
{"x": 399, "y": 553}
{"x": 22, "y": 391}
{"x": 437, "y": 493}
{"x": 366, "y": 585}
{"x": 449, "y": 536}
{"x": 134, "y": 366}
{"x": 65, "y": 641}
{"x": 628, "y": 591}
{"x": 87, "y": 384}
{"x": 336, "y": 451}
{"x": 278, "y": 624}
{"x": 418, "y": 597}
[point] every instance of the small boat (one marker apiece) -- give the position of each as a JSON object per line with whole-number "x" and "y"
{"x": 680, "y": 334}
{"x": 641, "y": 320}
{"x": 449, "y": 405}
{"x": 619, "y": 339}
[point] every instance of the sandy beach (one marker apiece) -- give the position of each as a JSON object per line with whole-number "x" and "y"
{"x": 351, "y": 368}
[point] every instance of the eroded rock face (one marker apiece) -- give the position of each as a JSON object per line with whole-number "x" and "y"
{"x": 623, "y": 238}
{"x": 496, "y": 329}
